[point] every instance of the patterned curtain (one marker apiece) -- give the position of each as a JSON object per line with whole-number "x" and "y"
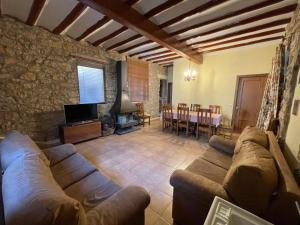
{"x": 272, "y": 94}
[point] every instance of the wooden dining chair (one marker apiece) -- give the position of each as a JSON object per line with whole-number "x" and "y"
{"x": 167, "y": 117}
{"x": 225, "y": 129}
{"x": 204, "y": 122}
{"x": 141, "y": 114}
{"x": 183, "y": 119}
{"x": 195, "y": 107}
{"x": 215, "y": 109}
{"x": 182, "y": 105}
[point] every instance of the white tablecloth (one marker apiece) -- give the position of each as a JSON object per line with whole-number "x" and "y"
{"x": 216, "y": 118}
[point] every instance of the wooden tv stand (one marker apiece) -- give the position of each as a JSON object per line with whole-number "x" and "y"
{"x": 80, "y": 132}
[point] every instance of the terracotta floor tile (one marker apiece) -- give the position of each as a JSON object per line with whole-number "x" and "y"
{"x": 159, "y": 201}
{"x": 167, "y": 214}
{"x": 161, "y": 221}
{"x": 151, "y": 217}
{"x": 145, "y": 158}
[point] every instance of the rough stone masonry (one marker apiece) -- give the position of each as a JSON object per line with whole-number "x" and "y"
{"x": 38, "y": 75}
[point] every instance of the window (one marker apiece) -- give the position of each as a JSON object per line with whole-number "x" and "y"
{"x": 138, "y": 79}
{"x": 91, "y": 84}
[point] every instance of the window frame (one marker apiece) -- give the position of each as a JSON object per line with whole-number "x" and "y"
{"x": 95, "y": 66}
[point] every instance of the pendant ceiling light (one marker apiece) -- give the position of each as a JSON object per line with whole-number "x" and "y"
{"x": 190, "y": 74}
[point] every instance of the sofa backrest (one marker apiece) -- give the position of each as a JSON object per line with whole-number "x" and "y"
{"x": 282, "y": 209}
{"x": 252, "y": 177}
{"x": 16, "y": 145}
{"x": 252, "y": 134}
{"x": 31, "y": 193}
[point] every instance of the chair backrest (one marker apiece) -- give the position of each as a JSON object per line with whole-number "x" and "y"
{"x": 195, "y": 107}
{"x": 204, "y": 117}
{"x": 182, "y": 105}
{"x": 215, "y": 109}
{"x": 167, "y": 112}
{"x": 140, "y": 107}
{"x": 183, "y": 113}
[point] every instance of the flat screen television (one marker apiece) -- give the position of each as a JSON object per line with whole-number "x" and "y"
{"x": 80, "y": 112}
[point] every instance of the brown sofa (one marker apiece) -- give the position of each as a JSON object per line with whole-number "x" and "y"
{"x": 59, "y": 186}
{"x": 252, "y": 173}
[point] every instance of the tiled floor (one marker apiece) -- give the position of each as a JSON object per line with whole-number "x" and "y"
{"x": 147, "y": 158}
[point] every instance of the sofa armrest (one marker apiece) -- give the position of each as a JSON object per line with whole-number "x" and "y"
{"x": 222, "y": 144}
{"x": 59, "y": 153}
{"x": 197, "y": 185}
{"x": 122, "y": 208}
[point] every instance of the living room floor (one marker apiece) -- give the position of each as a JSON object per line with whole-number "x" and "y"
{"x": 147, "y": 158}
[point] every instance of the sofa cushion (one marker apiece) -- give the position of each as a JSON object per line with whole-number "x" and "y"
{"x": 92, "y": 190}
{"x": 31, "y": 194}
{"x": 59, "y": 153}
{"x": 71, "y": 170}
{"x": 252, "y": 177}
{"x": 221, "y": 144}
{"x": 208, "y": 170}
{"x": 218, "y": 158}
{"x": 253, "y": 134}
{"x": 16, "y": 145}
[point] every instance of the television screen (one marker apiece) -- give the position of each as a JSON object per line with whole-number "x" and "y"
{"x": 80, "y": 112}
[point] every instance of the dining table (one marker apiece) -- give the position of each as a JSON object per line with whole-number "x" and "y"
{"x": 216, "y": 117}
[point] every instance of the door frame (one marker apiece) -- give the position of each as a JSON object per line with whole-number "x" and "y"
{"x": 238, "y": 78}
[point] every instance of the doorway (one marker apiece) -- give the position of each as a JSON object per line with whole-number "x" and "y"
{"x": 248, "y": 98}
{"x": 163, "y": 96}
{"x": 170, "y": 90}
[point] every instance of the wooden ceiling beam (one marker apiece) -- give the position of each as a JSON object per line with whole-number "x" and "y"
{"x": 147, "y": 50}
{"x": 71, "y": 17}
{"x": 112, "y": 35}
{"x": 262, "y": 34}
{"x": 131, "y": 2}
{"x": 199, "y": 9}
{"x": 149, "y": 14}
{"x": 276, "y": 12}
{"x": 169, "y": 59}
{"x": 161, "y": 57}
{"x": 124, "y": 14}
{"x": 244, "y": 44}
{"x": 166, "y": 64}
{"x": 162, "y": 7}
{"x": 228, "y": 16}
{"x": 124, "y": 42}
{"x": 94, "y": 27}
{"x": 245, "y": 31}
{"x": 135, "y": 46}
{"x": 35, "y": 11}
{"x": 154, "y": 54}
{"x": 101, "y": 23}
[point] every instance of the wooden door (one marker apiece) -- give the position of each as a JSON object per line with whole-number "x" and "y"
{"x": 170, "y": 87}
{"x": 249, "y": 94}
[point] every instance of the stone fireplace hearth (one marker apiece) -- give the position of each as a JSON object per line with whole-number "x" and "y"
{"x": 123, "y": 109}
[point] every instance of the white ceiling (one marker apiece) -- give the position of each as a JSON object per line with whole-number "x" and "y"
{"x": 55, "y": 11}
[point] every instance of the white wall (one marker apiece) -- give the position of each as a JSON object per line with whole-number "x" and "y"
{"x": 293, "y": 133}
{"x": 216, "y": 80}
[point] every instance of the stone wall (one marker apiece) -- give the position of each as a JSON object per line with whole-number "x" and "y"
{"x": 38, "y": 75}
{"x": 292, "y": 43}
{"x": 152, "y": 105}
{"x": 289, "y": 127}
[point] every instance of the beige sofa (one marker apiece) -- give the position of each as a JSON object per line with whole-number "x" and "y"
{"x": 252, "y": 173}
{"x": 59, "y": 186}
